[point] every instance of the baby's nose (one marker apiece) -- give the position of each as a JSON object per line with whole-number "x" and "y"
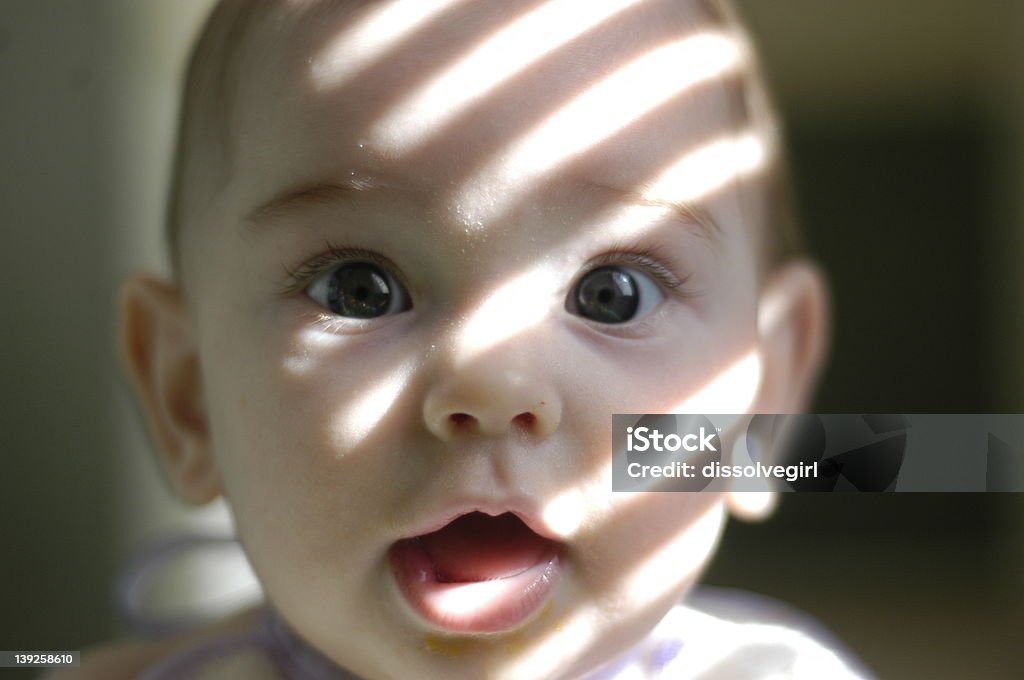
{"x": 492, "y": 400}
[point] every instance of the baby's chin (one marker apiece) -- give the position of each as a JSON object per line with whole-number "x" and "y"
{"x": 571, "y": 636}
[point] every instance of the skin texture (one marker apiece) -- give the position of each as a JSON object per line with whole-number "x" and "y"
{"x": 332, "y": 438}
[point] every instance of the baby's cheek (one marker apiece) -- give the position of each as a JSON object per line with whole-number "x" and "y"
{"x": 300, "y": 483}
{"x": 660, "y": 376}
{"x": 646, "y": 544}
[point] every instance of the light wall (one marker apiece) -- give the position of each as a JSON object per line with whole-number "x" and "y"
{"x": 88, "y": 97}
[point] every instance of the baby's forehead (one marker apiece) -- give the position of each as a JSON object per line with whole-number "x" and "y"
{"x": 481, "y": 96}
{"x": 364, "y": 31}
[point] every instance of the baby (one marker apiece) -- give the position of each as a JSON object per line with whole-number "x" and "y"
{"x": 422, "y": 252}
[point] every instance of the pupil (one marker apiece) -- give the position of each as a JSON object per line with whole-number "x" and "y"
{"x": 608, "y": 295}
{"x": 360, "y": 291}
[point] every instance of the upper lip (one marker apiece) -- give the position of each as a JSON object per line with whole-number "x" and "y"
{"x": 524, "y": 509}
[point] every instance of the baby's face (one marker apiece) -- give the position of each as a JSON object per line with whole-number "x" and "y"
{"x": 431, "y": 280}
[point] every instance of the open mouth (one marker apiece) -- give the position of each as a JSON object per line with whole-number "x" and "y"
{"x": 476, "y": 574}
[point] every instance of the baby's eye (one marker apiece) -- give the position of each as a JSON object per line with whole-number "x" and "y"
{"x": 359, "y": 290}
{"x": 614, "y": 295}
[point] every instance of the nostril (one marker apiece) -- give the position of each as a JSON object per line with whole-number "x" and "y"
{"x": 461, "y": 419}
{"x": 525, "y": 419}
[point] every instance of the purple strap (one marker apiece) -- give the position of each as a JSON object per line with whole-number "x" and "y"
{"x": 185, "y": 664}
{"x": 293, "y": 658}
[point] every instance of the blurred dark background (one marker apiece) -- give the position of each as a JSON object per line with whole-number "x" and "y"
{"x": 906, "y": 126}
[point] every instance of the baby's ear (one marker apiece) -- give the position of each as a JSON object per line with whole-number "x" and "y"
{"x": 792, "y": 328}
{"x": 792, "y": 325}
{"x": 161, "y": 356}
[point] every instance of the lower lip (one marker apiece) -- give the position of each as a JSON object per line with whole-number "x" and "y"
{"x": 474, "y": 607}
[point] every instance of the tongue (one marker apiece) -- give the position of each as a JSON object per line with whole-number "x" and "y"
{"x": 478, "y": 547}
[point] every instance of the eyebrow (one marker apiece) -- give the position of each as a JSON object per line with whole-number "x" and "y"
{"x": 690, "y": 213}
{"x": 309, "y": 195}
{"x": 295, "y": 199}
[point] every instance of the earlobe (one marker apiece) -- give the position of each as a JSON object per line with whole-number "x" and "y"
{"x": 751, "y": 506}
{"x": 161, "y": 357}
{"x": 792, "y": 342}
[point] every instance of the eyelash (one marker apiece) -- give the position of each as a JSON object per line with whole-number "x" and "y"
{"x": 332, "y": 255}
{"x": 648, "y": 258}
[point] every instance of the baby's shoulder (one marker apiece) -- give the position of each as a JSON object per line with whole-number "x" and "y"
{"x": 131, "y": 659}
